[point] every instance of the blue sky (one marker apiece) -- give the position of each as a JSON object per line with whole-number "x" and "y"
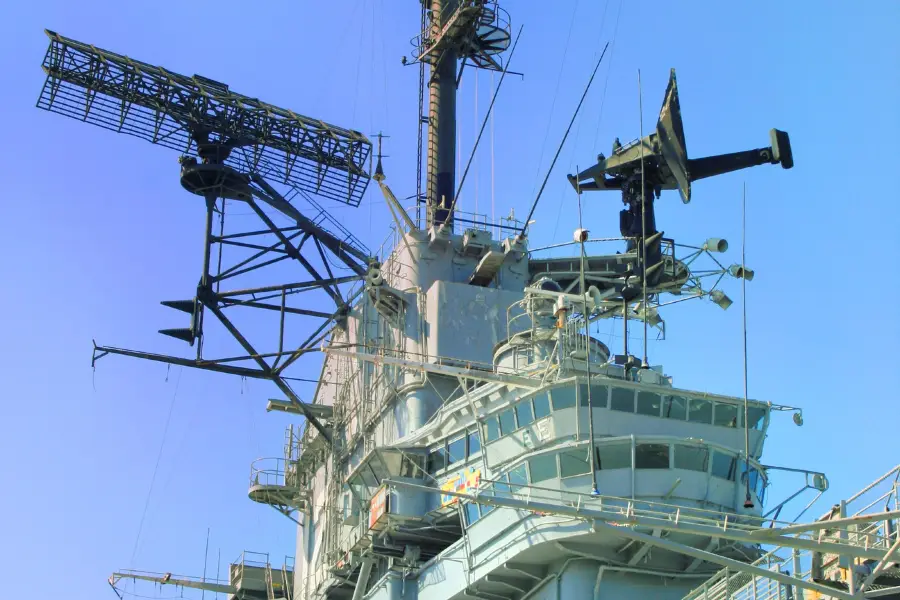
{"x": 98, "y": 231}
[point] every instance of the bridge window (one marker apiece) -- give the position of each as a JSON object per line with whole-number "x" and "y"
{"x": 573, "y": 462}
{"x": 675, "y": 407}
{"x": 507, "y": 422}
{"x": 614, "y": 456}
{"x": 757, "y": 480}
{"x": 493, "y": 429}
{"x": 541, "y": 406}
{"x": 723, "y": 465}
{"x": 622, "y": 399}
{"x": 599, "y": 395}
{"x": 524, "y": 413}
{"x": 756, "y": 417}
{"x": 649, "y": 403}
{"x": 456, "y": 450}
{"x": 694, "y": 458}
{"x": 542, "y": 468}
{"x": 651, "y": 456}
{"x": 517, "y": 478}
{"x": 563, "y": 397}
{"x": 471, "y": 513}
{"x": 411, "y": 466}
{"x": 474, "y": 442}
{"x": 437, "y": 460}
{"x": 700, "y": 411}
{"x": 726, "y": 415}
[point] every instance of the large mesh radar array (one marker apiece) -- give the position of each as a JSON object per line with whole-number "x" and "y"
{"x": 175, "y": 111}
{"x": 233, "y": 149}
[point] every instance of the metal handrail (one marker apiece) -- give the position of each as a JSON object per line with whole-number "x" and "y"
{"x": 649, "y": 509}
{"x": 273, "y": 471}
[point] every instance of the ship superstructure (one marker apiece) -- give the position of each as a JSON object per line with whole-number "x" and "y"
{"x": 468, "y": 437}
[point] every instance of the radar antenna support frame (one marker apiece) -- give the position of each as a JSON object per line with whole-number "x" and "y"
{"x": 230, "y": 143}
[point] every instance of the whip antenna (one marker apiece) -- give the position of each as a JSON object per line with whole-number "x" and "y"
{"x": 748, "y": 502}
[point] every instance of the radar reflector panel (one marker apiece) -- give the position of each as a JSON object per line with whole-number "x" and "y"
{"x": 188, "y": 113}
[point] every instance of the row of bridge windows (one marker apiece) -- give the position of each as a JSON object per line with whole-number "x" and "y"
{"x": 680, "y": 408}
{"x": 463, "y": 446}
{"x": 618, "y": 455}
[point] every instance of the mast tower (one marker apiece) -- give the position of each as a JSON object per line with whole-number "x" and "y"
{"x": 474, "y": 32}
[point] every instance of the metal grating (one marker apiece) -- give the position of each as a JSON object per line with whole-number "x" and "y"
{"x": 165, "y": 108}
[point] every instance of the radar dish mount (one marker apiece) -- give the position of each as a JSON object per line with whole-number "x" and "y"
{"x": 231, "y": 144}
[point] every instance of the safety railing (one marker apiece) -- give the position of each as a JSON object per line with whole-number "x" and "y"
{"x": 649, "y": 512}
{"x": 276, "y": 472}
{"x": 323, "y": 219}
{"x": 871, "y": 531}
{"x": 247, "y": 559}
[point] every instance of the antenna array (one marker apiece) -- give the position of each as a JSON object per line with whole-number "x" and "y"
{"x": 128, "y": 96}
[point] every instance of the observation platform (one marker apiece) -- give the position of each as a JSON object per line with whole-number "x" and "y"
{"x": 275, "y": 482}
{"x": 250, "y": 577}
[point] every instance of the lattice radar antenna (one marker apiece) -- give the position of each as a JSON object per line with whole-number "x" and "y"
{"x": 231, "y": 145}
{"x": 640, "y": 171}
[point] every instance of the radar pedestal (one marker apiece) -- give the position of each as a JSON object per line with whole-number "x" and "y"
{"x": 642, "y": 169}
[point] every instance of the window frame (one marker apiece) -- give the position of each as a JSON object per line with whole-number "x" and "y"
{"x": 512, "y": 413}
{"x": 473, "y": 434}
{"x": 691, "y": 402}
{"x": 637, "y": 403}
{"x": 549, "y": 457}
{"x": 560, "y": 390}
{"x": 612, "y": 399}
{"x": 736, "y": 418}
{"x": 457, "y": 438}
{"x": 637, "y": 453}
{"x": 625, "y": 444}
{"x": 571, "y": 453}
{"x": 545, "y": 395}
{"x": 703, "y": 448}
{"x": 524, "y": 404}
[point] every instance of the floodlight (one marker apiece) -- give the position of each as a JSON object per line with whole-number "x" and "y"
{"x": 721, "y": 299}
{"x": 715, "y": 245}
{"x": 740, "y": 272}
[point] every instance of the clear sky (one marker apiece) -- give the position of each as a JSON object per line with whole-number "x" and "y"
{"x": 97, "y": 231}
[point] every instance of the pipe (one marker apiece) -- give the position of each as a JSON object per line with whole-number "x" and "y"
{"x": 364, "y": 571}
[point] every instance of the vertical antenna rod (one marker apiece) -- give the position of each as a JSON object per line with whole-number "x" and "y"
{"x": 645, "y": 363}
{"x": 582, "y": 236}
{"x": 748, "y": 503}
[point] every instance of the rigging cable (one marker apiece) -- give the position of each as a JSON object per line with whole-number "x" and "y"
{"x": 359, "y": 52}
{"x": 162, "y": 445}
{"x": 556, "y": 92}
{"x": 493, "y": 213}
{"x": 562, "y": 194}
{"x": 563, "y": 142}
{"x": 612, "y": 55}
{"x": 484, "y": 123}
